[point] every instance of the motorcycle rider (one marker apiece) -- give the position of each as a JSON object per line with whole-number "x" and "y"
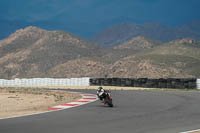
{"x": 101, "y": 93}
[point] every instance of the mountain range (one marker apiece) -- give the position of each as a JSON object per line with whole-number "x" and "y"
{"x": 35, "y": 52}
{"x": 122, "y": 32}
{"x": 108, "y": 34}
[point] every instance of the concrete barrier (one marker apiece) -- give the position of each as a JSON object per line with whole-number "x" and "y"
{"x": 198, "y": 83}
{"x": 41, "y": 82}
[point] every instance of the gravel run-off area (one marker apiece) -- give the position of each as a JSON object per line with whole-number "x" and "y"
{"x": 24, "y": 101}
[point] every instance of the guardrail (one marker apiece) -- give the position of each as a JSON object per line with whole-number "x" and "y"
{"x": 41, "y": 82}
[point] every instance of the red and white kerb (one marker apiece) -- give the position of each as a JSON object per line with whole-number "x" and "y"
{"x": 86, "y": 98}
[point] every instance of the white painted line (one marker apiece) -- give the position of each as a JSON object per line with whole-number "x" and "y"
{"x": 78, "y": 103}
{"x": 62, "y": 107}
{"x": 89, "y": 96}
{"x": 192, "y": 131}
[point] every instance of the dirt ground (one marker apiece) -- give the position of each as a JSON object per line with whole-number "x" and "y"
{"x": 23, "y": 101}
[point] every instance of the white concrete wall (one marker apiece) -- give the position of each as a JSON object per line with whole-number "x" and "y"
{"x": 37, "y": 82}
{"x": 198, "y": 83}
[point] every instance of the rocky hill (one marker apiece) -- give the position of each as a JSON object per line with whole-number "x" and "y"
{"x": 79, "y": 68}
{"x": 35, "y": 52}
{"x": 180, "y": 58}
{"x": 130, "y": 47}
{"x": 138, "y": 43}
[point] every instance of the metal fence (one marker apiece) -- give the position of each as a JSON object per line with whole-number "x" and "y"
{"x": 39, "y": 82}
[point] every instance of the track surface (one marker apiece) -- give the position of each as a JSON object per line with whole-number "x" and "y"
{"x": 134, "y": 112}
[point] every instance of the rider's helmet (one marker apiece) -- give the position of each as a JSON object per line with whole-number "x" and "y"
{"x": 100, "y": 88}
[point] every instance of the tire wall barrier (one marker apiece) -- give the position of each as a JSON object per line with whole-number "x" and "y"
{"x": 189, "y": 83}
{"x": 41, "y": 82}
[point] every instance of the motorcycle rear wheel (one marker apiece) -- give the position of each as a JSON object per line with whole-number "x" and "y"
{"x": 109, "y": 102}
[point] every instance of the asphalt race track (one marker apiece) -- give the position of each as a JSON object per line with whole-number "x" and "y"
{"x": 154, "y": 111}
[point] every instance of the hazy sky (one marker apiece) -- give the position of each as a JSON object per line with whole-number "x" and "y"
{"x": 100, "y": 13}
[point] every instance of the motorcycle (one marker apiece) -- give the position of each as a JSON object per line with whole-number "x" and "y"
{"x": 107, "y": 99}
